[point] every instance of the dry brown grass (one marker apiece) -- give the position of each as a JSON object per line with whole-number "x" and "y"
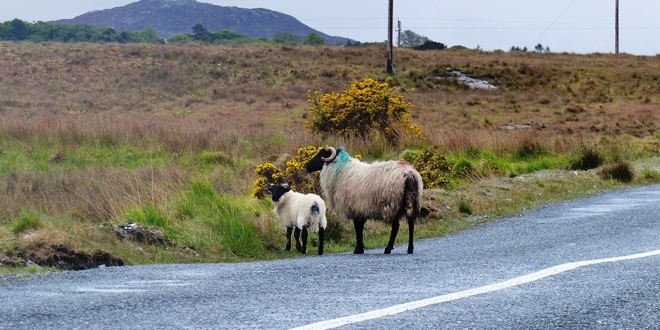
{"x": 200, "y": 95}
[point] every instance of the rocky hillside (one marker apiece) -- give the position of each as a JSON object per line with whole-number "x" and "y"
{"x": 169, "y": 17}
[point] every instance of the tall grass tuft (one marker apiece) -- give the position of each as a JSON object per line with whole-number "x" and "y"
{"x": 621, "y": 171}
{"x": 226, "y": 219}
{"x": 148, "y": 215}
{"x": 589, "y": 158}
{"x": 27, "y": 220}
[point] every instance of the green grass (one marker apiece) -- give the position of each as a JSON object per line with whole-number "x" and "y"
{"x": 27, "y": 220}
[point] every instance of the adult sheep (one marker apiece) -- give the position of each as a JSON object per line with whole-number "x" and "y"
{"x": 299, "y": 211}
{"x": 385, "y": 191}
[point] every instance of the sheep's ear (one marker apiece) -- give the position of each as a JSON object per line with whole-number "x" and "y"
{"x": 270, "y": 187}
{"x": 286, "y": 187}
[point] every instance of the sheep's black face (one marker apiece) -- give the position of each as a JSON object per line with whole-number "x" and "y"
{"x": 277, "y": 190}
{"x": 316, "y": 163}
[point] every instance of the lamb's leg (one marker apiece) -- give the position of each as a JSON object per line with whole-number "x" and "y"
{"x": 296, "y": 234}
{"x": 358, "y": 223}
{"x": 289, "y": 230}
{"x": 390, "y": 244}
{"x": 321, "y": 239}
{"x": 304, "y": 240}
{"x": 411, "y": 229}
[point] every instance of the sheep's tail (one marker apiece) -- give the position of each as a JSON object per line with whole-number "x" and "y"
{"x": 316, "y": 218}
{"x": 314, "y": 210}
{"x": 412, "y": 193}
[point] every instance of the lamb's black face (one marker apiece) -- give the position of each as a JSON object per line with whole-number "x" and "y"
{"x": 316, "y": 164}
{"x": 277, "y": 190}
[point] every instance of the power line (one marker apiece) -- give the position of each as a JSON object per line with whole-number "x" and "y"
{"x": 553, "y": 22}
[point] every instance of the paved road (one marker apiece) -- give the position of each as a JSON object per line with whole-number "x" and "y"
{"x": 593, "y": 263}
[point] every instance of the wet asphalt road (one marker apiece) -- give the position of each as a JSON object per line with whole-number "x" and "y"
{"x": 495, "y": 276}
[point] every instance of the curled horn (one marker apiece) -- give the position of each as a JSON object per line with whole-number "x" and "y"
{"x": 333, "y": 154}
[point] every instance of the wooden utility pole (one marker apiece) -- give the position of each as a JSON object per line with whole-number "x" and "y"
{"x": 398, "y": 36}
{"x": 390, "y": 23}
{"x": 616, "y": 28}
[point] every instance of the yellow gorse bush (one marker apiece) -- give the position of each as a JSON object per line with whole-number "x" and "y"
{"x": 432, "y": 166}
{"x": 297, "y": 175}
{"x": 294, "y": 174}
{"x": 266, "y": 173}
{"x": 367, "y": 107}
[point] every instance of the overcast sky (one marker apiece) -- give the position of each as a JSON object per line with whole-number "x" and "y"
{"x": 578, "y": 26}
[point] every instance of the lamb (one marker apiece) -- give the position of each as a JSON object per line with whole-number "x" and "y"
{"x": 301, "y": 211}
{"x": 385, "y": 191}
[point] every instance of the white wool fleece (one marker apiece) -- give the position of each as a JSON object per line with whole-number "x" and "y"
{"x": 295, "y": 209}
{"x": 374, "y": 190}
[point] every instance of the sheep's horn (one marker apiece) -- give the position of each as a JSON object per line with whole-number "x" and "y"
{"x": 333, "y": 154}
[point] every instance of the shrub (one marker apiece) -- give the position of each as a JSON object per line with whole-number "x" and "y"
{"x": 432, "y": 165}
{"x": 367, "y": 107}
{"x": 295, "y": 174}
{"x": 588, "y": 159}
{"x": 622, "y": 171}
{"x": 266, "y": 173}
{"x": 464, "y": 206}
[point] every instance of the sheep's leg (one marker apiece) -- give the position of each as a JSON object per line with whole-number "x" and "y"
{"x": 390, "y": 244}
{"x": 321, "y": 238}
{"x": 411, "y": 229}
{"x": 289, "y": 230}
{"x": 304, "y": 240}
{"x": 296, "y": 234}
{"x": 358, "y": 223}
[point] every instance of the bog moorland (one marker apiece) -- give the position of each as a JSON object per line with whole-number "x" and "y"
{"x": 96, "y": 137}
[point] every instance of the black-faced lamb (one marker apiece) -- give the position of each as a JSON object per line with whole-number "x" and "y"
{"x": 385, "y": 191}
{"x": 299, "y": 211}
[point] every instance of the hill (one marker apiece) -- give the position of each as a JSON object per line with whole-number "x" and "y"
{"x": 169, "y": 17}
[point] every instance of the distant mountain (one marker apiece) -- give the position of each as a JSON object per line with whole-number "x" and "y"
{"x": 169, "y": 17}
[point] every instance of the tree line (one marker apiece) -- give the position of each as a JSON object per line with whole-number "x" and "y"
{"x": 21, "y": 31}
{"x": 18, "y": 30}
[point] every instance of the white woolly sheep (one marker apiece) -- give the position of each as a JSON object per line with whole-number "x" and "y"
{"x": 299, "y": 211}
{"x": 385, "y": 191}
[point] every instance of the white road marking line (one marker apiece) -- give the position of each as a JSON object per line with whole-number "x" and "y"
{"x": 329, "y": 324}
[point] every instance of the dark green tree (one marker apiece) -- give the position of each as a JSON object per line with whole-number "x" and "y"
{"x": 200, "y": 33}
{"x": 285, "y": 37}
{"x": 313, "y": 39}
{"x": 431, "y": 45}
{"x": 412, "y": 39}
{"x": 18, "y": 30}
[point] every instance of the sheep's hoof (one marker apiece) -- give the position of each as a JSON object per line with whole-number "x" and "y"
{"x": 358, "y": 251}
{"x": 410, "y": 251}
{"x": 388, "y": 251}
